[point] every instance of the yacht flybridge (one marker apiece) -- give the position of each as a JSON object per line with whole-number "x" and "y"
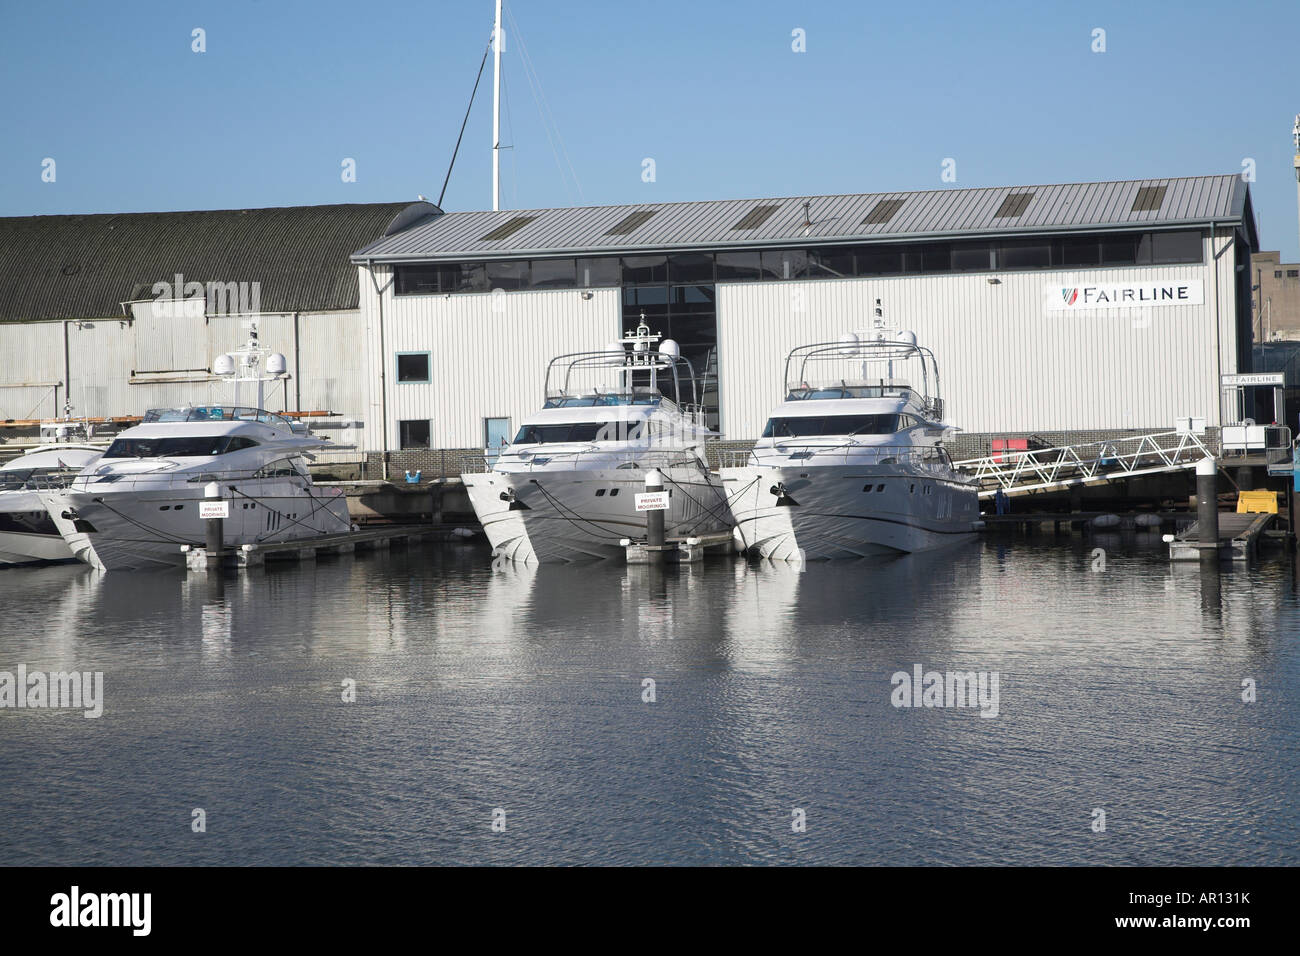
{"x": 566, "y": 488}
{"x": 136, "y": 506}
{"x": 852, "y": 463}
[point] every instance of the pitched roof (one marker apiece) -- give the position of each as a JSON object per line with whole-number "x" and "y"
{"x": 82, "y": 267}
{"x": 858, "y": 217}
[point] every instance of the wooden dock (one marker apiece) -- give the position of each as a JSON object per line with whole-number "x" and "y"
{"x": 1239, "y": 536}
{"x": 307, "y": 549}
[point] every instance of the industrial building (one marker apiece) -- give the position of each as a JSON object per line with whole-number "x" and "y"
{"x": 1277, "y": 297}
{"x": 1064, "y": 312}
{"x": 109, "y": 315}
{"x": 1058, "y": 312}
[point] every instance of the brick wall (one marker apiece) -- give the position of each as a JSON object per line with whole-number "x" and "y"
{"x": 430, "y": 462}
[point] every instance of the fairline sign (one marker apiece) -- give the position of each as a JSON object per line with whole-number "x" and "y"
{"x": 1126, "y": 295}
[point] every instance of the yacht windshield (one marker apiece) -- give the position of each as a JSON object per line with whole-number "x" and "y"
{"x": 814, "y": 425}
{"x": 848, "y": 391}
{"x": 578, "y": 432}
{"x": 215, "y": 413}
{"x": 190, "y": 447}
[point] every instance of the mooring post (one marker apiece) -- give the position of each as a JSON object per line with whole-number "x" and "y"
{"x": 215, "y": 526}
{"x": 1207, "y": 508}
{"x": 654, "y": 520}
{"x": 1295, "y": 499}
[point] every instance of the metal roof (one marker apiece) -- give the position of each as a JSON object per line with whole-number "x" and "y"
{"x": 828, "y": 219}
{"x": 82, "y": 267}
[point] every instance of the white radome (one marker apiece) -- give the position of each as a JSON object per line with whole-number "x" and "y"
{"x": 277, "y": 364}
{"x": 224, "y": 364}
{"x": 670, "y": 348}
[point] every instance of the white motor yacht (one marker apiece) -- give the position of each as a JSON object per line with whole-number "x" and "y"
{"x": 27, "y": 534}
{"x": 852, "y": 463}
{"x": 566, "y": 488}
{"x": 138, "y": 505}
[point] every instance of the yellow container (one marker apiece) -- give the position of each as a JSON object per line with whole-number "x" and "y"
{"x": 1257, "y": 502}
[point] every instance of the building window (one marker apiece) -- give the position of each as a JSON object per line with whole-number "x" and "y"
{"x": 879, "y": 261}
{"x": 690, "y": 267}
{"x": 597, "y": 273}
{"x": 511, "y": 275}
{"x": 1082, "y": 251}
{"x": 1119, "y": 250}
{"x": 413, "y": 433}
{"x": 1077, "y": 252}
{"x": 972, "y": 257}
{"x": 553, "y": 274}
{"x": 644, "y": 270}
{"x": 1293, "y": 273}
{"x": 738, "y": 266}
{"x": 417, "y": 280}
{"x": 1167, "y": 247}
{"x": 784, "y": 264}
{"x": 1025, "y": 254}
{"x": 413, "y": 368}
{"x": 1277, "y": 273}
{"x": 834, "y": 263}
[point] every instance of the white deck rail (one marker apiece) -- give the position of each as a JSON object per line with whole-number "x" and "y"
{"x": 1018, "y": 472}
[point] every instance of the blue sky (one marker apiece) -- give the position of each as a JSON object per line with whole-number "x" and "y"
{"x": 711, "y": 91}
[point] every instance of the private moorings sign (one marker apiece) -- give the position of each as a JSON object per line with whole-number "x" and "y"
{"x": 1125, "y": 295}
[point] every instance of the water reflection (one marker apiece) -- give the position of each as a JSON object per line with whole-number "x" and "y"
{"x": 524, "y": 687}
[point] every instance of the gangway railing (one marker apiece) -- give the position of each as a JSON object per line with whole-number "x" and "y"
{"x": 1043, "y": 469}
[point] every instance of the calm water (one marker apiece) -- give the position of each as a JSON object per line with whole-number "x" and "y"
{"x": 522, "y": 689}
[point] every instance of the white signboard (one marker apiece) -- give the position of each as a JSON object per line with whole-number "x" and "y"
{"x": 652, "y": 501}
{"x": 214, "y": 509}
{"x": 1125, "y": 295}
{"x": 1255, "y": 378}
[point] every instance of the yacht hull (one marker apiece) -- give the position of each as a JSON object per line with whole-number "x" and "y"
{"x": 578, "y": 515}
{"x": 146, "y": 530}
{"x": 27, "y": 534}
{"x": 845, "y": 511}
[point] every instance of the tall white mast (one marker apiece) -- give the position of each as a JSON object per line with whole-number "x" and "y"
{"x": 1295, "y": 136}
{"x": 496, "y": 111}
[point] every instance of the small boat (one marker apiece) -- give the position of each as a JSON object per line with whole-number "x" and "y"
{"x": 852, "y": 463}
{"x": 27, "y": 533}
{"x": 565, "y": 489}
{"x": 136, "y": 506}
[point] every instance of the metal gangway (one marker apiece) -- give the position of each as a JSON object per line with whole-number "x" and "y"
{"x": 1051, "y": 469}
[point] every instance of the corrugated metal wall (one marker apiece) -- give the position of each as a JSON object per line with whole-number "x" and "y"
{"x": 31, "y": 358}
{"x": 1007, "y": 364}
{"x": 105, "y": 356}
{"x": 487, "y": 357}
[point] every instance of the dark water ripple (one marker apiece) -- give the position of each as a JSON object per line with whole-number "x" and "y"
{"x": 521, "y": 689}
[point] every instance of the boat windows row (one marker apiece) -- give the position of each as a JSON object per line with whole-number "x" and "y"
{"x": 827, "y": 262}
{"x": 811, "y": 426}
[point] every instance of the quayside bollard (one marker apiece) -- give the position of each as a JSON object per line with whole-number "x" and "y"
{"x": 215, "y": 525}
{"x": 1207, "y": 508}
{"x": 654, "y": 520}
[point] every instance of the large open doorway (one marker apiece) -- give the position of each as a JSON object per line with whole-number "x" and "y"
{"x": 678, "y": 297}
